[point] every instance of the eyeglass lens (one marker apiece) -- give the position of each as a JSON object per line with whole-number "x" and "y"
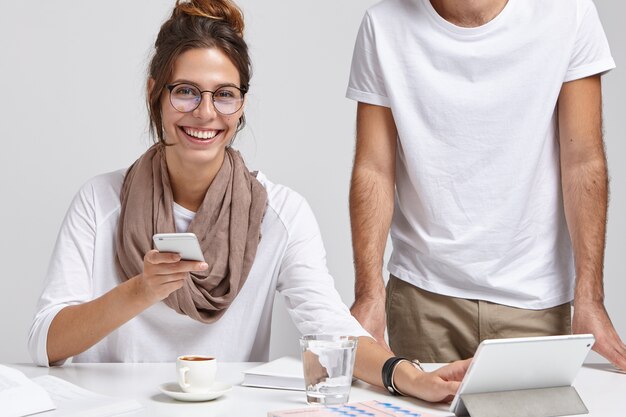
{"x": 186, "y": 98}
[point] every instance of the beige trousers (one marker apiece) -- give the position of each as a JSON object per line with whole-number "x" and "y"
{"x": 437, "y": 328}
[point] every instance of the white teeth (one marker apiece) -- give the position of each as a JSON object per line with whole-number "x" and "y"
{"x": 201, "y": 134}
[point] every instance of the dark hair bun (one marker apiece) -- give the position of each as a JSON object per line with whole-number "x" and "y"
{"x": 224, "y": 10}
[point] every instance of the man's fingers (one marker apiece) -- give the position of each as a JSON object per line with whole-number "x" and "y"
{"x": 373, "y": 321}
{"x": 596, "y": 320}
{"x": 384, "y": 344}
{"x": 615, "y": 354}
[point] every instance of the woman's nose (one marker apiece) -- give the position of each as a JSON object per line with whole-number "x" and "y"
{"x": 206, "y": 109}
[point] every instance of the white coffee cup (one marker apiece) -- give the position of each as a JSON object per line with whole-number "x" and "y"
{"x": 196, "y": 373}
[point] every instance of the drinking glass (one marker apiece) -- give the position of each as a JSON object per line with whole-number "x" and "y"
{"x": 328, "y": 363}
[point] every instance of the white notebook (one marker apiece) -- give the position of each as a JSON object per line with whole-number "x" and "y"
{"x": 283, "y": 373}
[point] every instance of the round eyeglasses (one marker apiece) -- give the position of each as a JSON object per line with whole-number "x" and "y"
{"x": 186, "y": 98}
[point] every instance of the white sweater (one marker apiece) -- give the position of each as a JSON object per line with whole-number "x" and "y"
{"x": 290, "y": 259}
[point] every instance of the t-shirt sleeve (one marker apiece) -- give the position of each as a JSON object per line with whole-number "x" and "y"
{"x": 68, "y": 280}
{"x": 591, "y": 54}
{"x": 366, "y": 82}
{"x": 304, "y": 281}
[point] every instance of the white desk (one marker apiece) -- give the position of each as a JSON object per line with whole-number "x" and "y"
{"x": 602, "y": 389}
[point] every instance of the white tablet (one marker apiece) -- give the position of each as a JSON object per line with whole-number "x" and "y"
{"x": 523, "y": 363}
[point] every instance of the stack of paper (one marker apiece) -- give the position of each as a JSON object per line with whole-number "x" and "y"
{"x": 283, "y": 373}
{"x": 20, "y": 396}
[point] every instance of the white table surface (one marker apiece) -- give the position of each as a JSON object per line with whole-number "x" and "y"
{"x": 601, "y": 387}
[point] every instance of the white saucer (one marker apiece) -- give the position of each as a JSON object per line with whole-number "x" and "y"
{"x": 173, "y": 390}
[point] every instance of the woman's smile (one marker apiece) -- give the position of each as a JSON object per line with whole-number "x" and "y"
{"x": 201, "y": 135}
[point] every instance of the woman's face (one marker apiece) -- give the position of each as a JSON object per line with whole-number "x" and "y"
{"x": 200, "y": 136}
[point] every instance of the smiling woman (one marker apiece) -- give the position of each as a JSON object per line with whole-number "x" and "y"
{"x": 191, "y": 118}
{"x": 110, "y": 297}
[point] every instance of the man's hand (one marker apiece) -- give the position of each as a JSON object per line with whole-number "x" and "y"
{"x": 593, "y": 318}
{"x": 370, "y": 312}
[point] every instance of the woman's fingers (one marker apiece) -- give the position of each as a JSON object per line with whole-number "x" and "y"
{"x": 442, "y": 390}
{"x": 167, "y": 263}
{"x": 155, "y": 257}
{"x": 177, "y": 267}
{"x": 164, "y": 273}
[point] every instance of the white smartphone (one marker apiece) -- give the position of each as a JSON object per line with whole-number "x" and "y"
{"x": 185, "y": 244}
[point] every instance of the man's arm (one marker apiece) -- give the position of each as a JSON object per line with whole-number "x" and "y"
{"x": 585, "y": 195}
{"x": 371, "y": 208}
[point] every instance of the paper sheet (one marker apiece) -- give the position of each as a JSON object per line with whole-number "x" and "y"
{"x": 20, "y": 396}
{"x": 73, "y": 400}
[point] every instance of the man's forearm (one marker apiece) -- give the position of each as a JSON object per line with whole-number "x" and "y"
{"x": 585, "y": 196}
{"x": 585, "y": 182}
{"x": 372, "y": 197}
{"x": 371, "y": 209}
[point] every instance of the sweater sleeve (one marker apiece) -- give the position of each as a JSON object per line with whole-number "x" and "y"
{"x": 68, "y": 279}
{"x": 311, "y": 299}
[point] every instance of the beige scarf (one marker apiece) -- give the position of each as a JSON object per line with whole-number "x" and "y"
{"x": 228, "y": 226}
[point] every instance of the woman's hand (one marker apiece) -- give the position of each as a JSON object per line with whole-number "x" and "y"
{"x": 454, "y": 371}
{"x": 437, "y": 386}
{"x": 163, "y": 273}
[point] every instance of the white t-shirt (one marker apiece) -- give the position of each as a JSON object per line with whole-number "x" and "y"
{"x": 479, "y": 210}
{"x": 290, "y": 259}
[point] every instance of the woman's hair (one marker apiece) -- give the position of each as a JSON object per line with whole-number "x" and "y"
{"x": 196, "y": 24}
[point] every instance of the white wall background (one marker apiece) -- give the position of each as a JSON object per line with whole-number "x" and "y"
{"x": 72, "y": 77}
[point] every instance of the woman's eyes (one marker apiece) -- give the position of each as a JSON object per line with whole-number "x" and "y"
{"x": 224, "y": 94}
{"x": 186, "y": 91}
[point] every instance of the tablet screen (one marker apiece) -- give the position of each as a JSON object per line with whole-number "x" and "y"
{"x": 523, "y": 363}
